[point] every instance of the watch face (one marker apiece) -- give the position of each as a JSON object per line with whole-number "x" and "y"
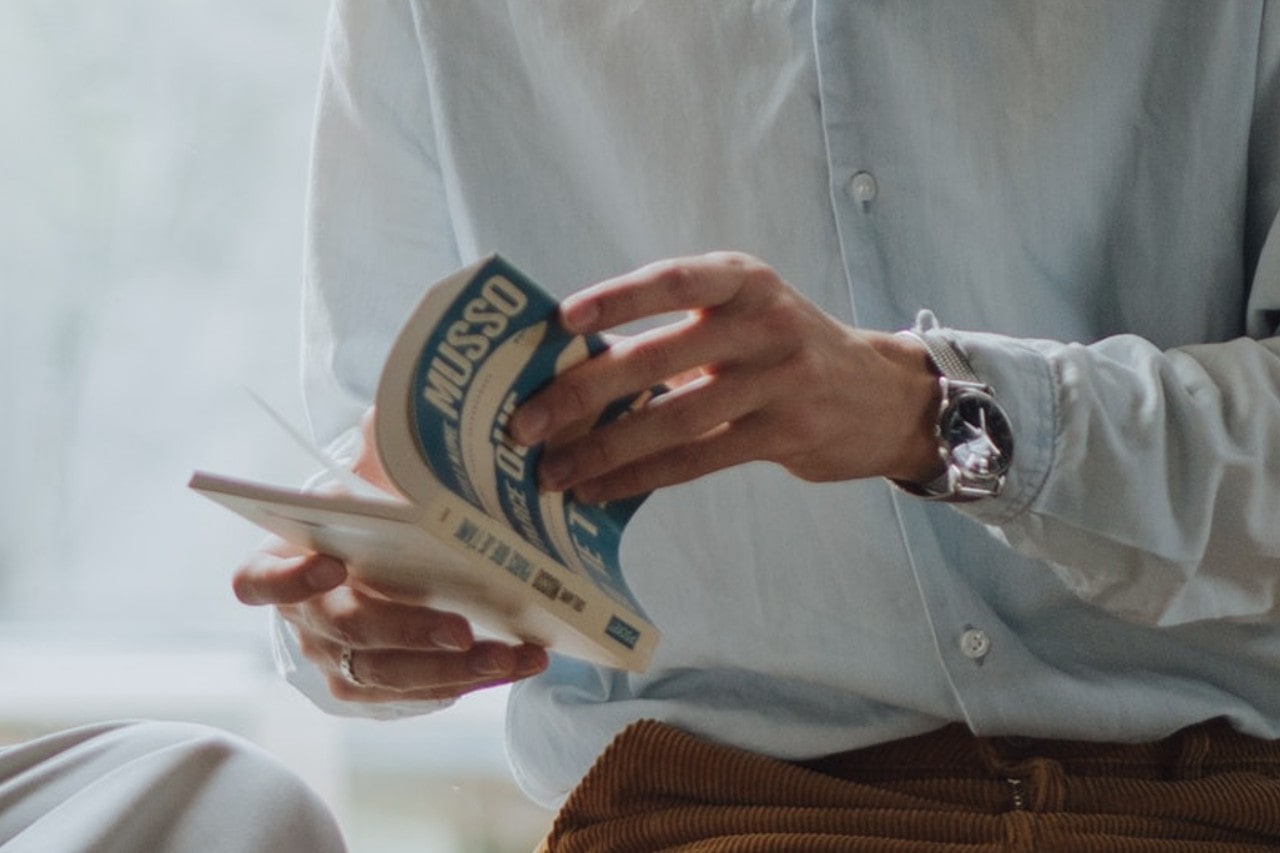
{"x": 977, "y": 431}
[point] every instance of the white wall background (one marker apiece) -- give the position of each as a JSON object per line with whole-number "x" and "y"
{"x": 153, "y": 156}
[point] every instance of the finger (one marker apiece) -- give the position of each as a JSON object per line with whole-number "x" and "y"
{"x": 681, "y": 284}
{"x": 722, "y": 447}
{"x": 380, "y": 675}
{"x": 529, "y": 660}
{"x": 347, "y": 692}
{"x": 676, "y": 417}
{"x": 351, "y": 618}
{"x": 278, "y": 573}
{"x": 578, "y": 395}
{"x": 691, "y": 347}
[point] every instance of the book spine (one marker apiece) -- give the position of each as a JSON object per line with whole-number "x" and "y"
{"x": 610, "y": 630}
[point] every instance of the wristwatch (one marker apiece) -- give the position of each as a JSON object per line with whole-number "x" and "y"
{"x": 975, "y": 439}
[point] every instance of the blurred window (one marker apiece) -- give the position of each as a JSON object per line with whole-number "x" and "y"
{"x": 153, "y": 158}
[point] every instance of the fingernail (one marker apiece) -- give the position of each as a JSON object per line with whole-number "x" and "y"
{"x": 488, "y": 663}
{"x": 579, "y": 317}
{"x": 531, "y": 423}
{"x": 530, "y": 661}
{"x": 555, "y": 472}
{"x": 449, "y": 639}
{"x": 325, "y": 574}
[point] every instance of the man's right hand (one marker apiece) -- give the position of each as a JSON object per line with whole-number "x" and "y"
{"x": 399, "y": 650}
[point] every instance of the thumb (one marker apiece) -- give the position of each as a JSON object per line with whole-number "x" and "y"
{"x": 278, "y": 574}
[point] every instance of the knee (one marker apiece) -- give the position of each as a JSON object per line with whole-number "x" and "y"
{"x": 172, "y": 787}
{"x": 208, "y": 771}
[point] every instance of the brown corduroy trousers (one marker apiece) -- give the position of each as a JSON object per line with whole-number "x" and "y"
{"x": 1207, "y": 789}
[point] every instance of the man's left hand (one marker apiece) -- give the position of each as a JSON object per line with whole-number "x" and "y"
{"x": 755, "y": 372}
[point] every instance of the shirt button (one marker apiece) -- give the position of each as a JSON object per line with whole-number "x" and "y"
{"x": 975, "y": 644}
{"x": 862, "y": 187}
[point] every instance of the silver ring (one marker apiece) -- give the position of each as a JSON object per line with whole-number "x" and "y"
{"x": 346, "y": 666}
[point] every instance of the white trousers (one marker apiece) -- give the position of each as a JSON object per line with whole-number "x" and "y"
{"x": 155, "y": 788}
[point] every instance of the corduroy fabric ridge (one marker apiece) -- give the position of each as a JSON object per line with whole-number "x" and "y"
{"x": 1207, "y": 789}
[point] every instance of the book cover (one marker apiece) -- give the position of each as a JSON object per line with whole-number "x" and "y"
{"x": 471, "y": 532}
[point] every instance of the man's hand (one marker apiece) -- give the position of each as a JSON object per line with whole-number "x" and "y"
{"x": 759, "y": 372}
{"x": 400, "y": 650}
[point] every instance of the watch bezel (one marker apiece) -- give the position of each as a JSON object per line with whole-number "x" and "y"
{"x": 971, "y": 473}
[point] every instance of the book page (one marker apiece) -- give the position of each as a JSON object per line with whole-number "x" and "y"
{"x": 451, "y": 556}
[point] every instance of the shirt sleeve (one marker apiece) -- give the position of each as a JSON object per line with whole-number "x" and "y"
{"x": 1150, "y": 480}
{"x": 1147, "y": 479}
{"x": 377, "y": 235}
{"x": 378, "y": 223}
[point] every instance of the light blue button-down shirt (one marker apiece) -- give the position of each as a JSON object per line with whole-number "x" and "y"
{"x": 1087, "y": 189}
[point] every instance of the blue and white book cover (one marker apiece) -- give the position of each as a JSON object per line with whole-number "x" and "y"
{"x": 498, "y": 341}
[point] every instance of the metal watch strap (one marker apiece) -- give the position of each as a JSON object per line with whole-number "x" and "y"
{"x": 949, "y": 362}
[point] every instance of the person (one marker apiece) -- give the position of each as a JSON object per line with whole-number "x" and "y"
{"x": 163, "y": 787}
{"x": 1053, "y": 624}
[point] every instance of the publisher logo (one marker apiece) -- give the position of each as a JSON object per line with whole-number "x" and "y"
{"x": 622, "y": 632}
